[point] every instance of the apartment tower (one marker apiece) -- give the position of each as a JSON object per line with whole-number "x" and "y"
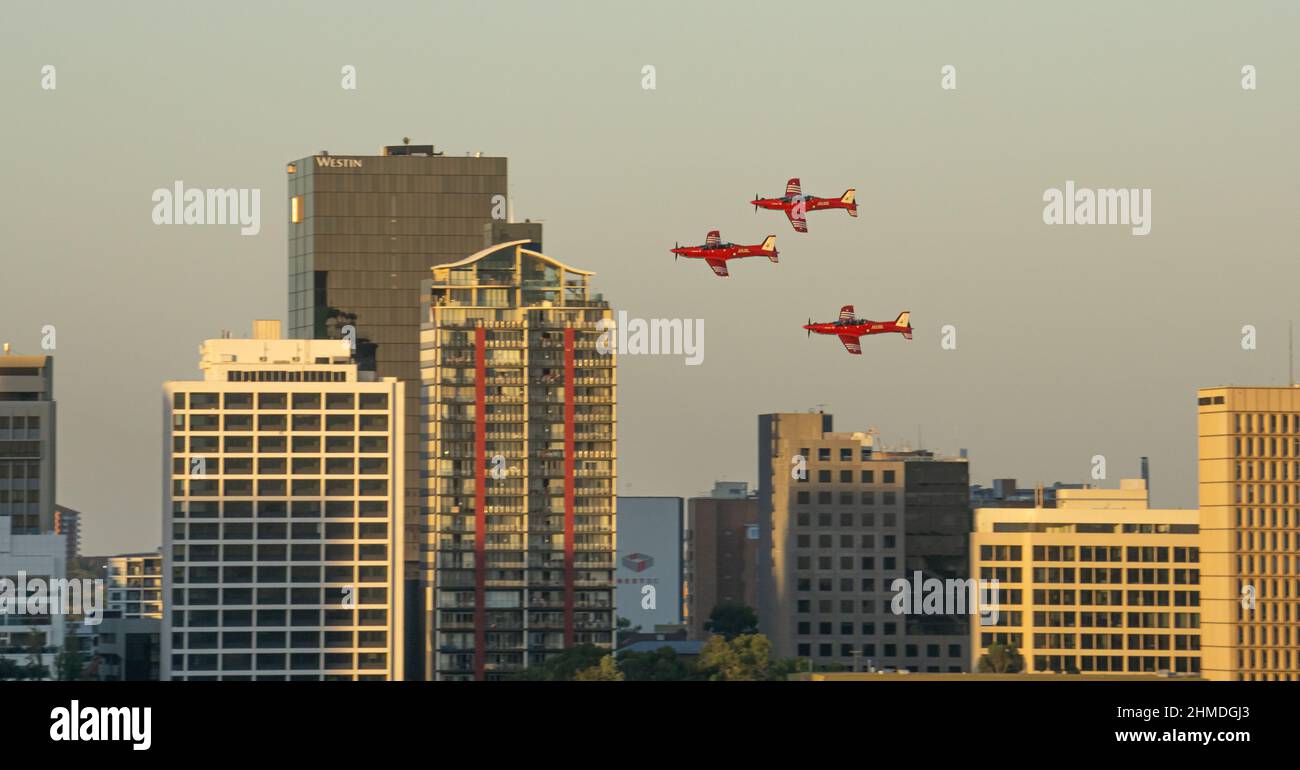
{"x": 519, "y": 409}
{"x": 283, "y": 517}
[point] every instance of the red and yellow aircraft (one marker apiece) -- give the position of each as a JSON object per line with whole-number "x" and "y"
{"x": 795, "y": 204}
{"x": 849, "y": 328}
{"x": 716, "y": 253}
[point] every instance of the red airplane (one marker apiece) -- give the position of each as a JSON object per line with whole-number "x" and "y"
{"x": 850, "y": 328}
{"x": 716, "y": 253}
{"x": 795, "y": 204}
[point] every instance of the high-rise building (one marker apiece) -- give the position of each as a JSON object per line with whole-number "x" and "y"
{"x": 135, "y": 584}
{"x": 649, "y": 574}
{"x": 1249, "y": 467}
{"x": 283, "y": 498}
{"x": 67, "y": 522}
{"x": 840, "y": 519}
{"x": 27, "y": 442}
{"x": 519, "y": 408}
{"x": 1098, "y": 584}
{"x": 363, "y": 232}
{"x": 722, "y": 536}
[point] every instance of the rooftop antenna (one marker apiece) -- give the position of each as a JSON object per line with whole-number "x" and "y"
{"x": 1290, "y": 353}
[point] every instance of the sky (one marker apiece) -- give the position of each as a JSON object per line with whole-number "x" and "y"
{"x": 1071, "y": 340}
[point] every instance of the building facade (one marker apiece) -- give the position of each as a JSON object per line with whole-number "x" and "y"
{"x": 840, "y": 520}
{"x": 27, "y": 442}
{"x": 135, "y": 584}
{"x": 519, "y": 457}
{"x": 649, "y": 553}
{"x": 1099, "y": 584}
{"x": 722, "y": 536}
{"x": 1249, "y": 471}
{"x": 25, "y": 631}
{"x": 284, "y": 508}
{"x": 67, "y": 522}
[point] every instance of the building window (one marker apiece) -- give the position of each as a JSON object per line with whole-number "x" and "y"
{"x": 295, "y": 209}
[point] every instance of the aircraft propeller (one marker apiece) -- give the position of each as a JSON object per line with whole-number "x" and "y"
{"x": 806, "y": 327}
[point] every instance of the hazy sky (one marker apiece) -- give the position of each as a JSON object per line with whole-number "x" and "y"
{"x": 1071, "y": 340}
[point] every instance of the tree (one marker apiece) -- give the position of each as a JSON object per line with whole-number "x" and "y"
{"x": 606, "y": 671}
{"x": 9, "y": 669}
{"x": 35, "y": 668}
{"x": 732, "y": 620}
{"x": 565, "y": 666}
{"x": 747, "y": 658}
{"x": 1001, "y": 659}
{"x": 661, "y": 665}
{"x": 69, "y": 663}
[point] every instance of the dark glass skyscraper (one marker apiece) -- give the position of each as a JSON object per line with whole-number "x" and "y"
{"x": 364, "y": 230}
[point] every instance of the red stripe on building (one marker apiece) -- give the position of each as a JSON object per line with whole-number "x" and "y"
{"x": 568, "y": 487}
{"x": 480, "y": 502}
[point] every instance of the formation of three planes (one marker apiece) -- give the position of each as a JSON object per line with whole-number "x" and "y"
{"x": 849, "y": 328}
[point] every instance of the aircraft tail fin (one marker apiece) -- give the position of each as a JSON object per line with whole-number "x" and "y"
{"x": 769, "y": 247}
{"x": 850, "y": 201}
{"x": 904, "y": 322}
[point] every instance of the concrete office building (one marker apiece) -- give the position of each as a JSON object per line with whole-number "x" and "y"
{"x": 1249, "y": 468}
{"x": 284, "y": 510}
{"x": 27, "y": 442}
{"x": 520, "y": 459}
{"x": 840, "y": 518}
{"x": 1099, "y": 584}
{"x": 135, "y": 584}
{"x": 722, "y": 536}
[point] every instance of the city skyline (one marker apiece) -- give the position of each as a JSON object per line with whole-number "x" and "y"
{"x": 950, "y": 221}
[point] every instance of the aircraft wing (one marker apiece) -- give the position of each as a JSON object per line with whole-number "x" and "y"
{"x": 719, "y": 266}
{"x": 797, "y": 218}
{"x": 851, "y": 344}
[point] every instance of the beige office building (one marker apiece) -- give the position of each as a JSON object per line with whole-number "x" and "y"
{"x": 1100, "y": 584}
{"x": 1249, "y": 468}
{"x": 283, "y": 521}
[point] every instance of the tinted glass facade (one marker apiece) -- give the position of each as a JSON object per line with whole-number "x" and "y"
{"x": 363, "y": 233}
